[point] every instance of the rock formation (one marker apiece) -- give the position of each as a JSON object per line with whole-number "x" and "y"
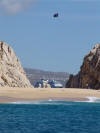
{"x": 89, "y": 75}
{"x": 11, "y": 71}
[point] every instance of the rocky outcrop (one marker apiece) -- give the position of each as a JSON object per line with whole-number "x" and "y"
{"x": 11, "y": 71}
{"x": 89, "y": 75}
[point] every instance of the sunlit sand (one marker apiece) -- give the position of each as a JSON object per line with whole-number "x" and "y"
{"x": 32, "y": 94}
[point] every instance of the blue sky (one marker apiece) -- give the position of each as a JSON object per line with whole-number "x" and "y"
{"x": 42, "y": 42}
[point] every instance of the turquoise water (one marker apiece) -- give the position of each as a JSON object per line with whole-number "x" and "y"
{"x": 50, "y": 117}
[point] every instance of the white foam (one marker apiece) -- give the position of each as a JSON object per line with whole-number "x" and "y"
{"x": 92, "y": 99}
{"x": 22, "y": 102}
{"x": 50, "y": 100}
{"x": 56, "y": 102}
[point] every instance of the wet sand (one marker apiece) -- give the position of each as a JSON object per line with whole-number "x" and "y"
{"x": 34, "y": 94}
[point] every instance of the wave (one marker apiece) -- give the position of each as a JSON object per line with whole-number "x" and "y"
{"x": 91, "y": 100}
{"x": 58, "y": 102}
{"x": 44, "y": 102}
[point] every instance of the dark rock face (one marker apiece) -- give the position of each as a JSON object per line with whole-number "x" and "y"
{"x": 89, "y": 75}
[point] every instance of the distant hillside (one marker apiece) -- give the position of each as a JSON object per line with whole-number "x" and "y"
{"x": 35, "y": 75}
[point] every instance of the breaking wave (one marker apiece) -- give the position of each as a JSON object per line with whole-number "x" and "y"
{"x": 93, "y": 99}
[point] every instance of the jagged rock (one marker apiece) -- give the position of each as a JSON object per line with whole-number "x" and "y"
{"x": 89, "y": 75}
{"x": 11, "y": 71}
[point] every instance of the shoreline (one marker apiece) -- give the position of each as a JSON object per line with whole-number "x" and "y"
{"x": 9, "y": 95}
{"x": 15, "y": 100}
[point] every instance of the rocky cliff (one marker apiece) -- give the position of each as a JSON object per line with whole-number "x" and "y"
{"x": 11, "y": 71}
{"x": 89, "y": 75}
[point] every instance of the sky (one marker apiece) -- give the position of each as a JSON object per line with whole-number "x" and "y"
{"x": 52, "y": 44}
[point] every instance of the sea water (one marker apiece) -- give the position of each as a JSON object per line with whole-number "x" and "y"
{"x": 50, "y": 117}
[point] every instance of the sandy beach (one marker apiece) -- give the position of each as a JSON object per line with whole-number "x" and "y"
{"x": 33, "y": 94}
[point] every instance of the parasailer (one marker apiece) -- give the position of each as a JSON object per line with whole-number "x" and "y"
{"x": 56, "y": 15}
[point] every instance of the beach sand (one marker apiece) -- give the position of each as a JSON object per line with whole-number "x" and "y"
{"x": 8, "y": 95}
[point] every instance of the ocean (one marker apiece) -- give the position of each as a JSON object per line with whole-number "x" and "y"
{"x": 50, "y": 117}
